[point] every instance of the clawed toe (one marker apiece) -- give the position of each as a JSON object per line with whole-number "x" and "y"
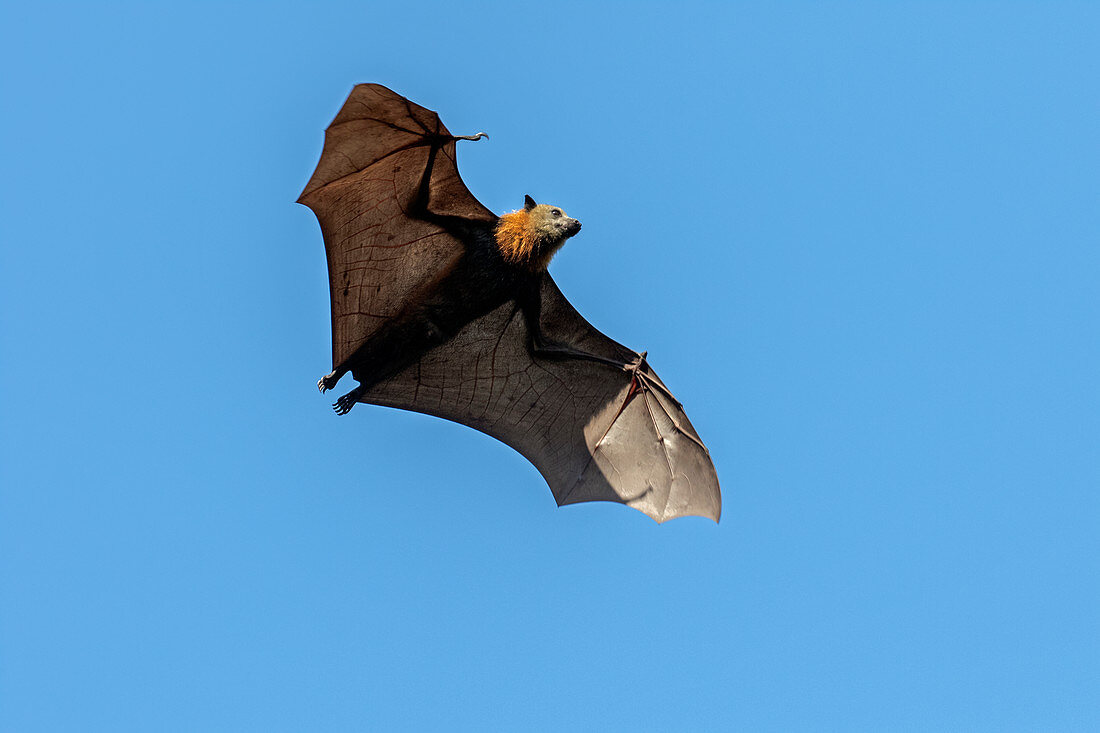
{"x": 343, "y": 405}
{"x": 327, "y": 382}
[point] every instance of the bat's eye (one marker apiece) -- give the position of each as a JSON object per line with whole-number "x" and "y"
{"x": 556, "y": 212}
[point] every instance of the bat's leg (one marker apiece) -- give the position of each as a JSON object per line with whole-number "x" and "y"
{"x": 394, "y": 349}
{"x": 329, "y": 381}
{"x": 343, "y": 405}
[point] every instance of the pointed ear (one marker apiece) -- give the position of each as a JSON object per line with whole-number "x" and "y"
{"x": 528, "y": 203}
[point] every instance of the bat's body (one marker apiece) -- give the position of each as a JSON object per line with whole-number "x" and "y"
{"x": 478, "y": 283}
{"x": 488, "y": 274}
{"x": 442, "y": 307}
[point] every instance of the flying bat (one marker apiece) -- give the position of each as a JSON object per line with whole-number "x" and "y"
{"x": 442, "y": 307}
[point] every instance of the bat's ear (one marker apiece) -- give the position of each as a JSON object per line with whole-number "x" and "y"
{"x": 528, "y": 203}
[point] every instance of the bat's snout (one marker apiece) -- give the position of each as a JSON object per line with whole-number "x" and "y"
{"x": 574, "y": 227}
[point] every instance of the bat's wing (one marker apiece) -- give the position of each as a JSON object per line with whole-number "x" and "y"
{"x": 376, "y": 151}
{"x": 595, "y": 432}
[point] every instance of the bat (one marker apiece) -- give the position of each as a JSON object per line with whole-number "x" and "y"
{"x": 439, "y": 306}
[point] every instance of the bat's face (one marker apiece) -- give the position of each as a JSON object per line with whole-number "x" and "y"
{"x": 533, "y": 235}
{"x": 552, "y": 223}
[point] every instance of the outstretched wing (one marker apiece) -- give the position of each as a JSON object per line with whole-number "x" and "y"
{"x": 595, "y": 433}
{"x": 375, "y": 152}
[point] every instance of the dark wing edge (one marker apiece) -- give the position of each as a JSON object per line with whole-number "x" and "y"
{"x": 375, "y": 153}
{"x": 594, "y": 432}
{"x": 375, "y": 123}
{"x": 647, "y": 451}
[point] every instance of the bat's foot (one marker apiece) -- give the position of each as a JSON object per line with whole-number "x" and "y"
{"x": 327, "y": 382}
{"x": 343, "y": 405}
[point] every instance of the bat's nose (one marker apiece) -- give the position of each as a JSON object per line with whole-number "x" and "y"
{"x": 574, "y": 227}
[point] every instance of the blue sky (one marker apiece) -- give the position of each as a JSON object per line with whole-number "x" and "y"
{"x": 858, "y": 241}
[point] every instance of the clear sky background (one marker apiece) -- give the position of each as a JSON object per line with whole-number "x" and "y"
{"x": 859, "y": 243}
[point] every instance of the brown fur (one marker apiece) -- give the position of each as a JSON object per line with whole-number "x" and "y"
{"x": 517, "y": 241}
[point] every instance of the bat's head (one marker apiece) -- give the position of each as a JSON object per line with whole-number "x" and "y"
{"x": 551, "y": 223}
{"x": 532, "y": 236}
